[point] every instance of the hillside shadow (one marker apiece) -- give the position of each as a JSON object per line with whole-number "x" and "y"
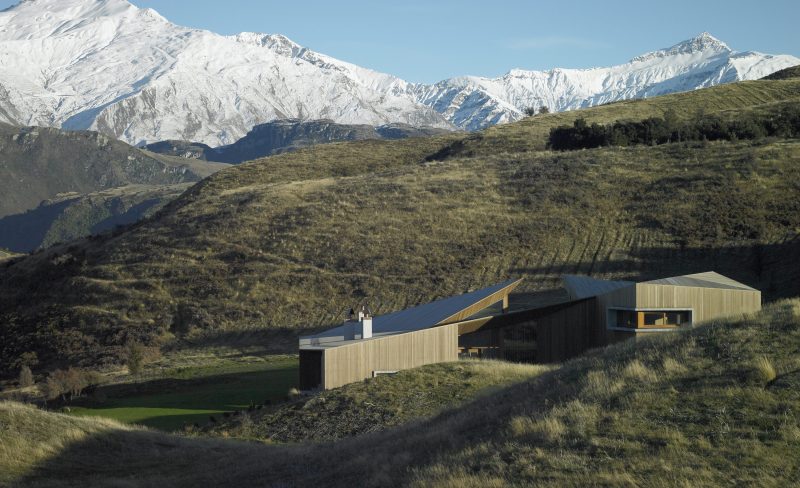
{"x": 391, "y": 457}
{"x": 130, "y": 216}
{"x": 171, "y": 403}
{"x": 774, "y": 269}
{"x": 25, "y": 232}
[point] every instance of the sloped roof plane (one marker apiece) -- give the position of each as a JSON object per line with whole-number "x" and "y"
{"x": 580, "y": 287}
{"x": 439, "y": 312}
{"x": 709, "y": 279}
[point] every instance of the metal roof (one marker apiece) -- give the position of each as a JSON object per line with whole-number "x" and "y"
{"x": 584, "y": 287}
{"x": 411, "y": 319}
{"x": 709, "y": 279}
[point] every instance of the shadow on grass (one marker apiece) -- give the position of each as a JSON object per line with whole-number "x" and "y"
{"x": 460, "y": 442}
{"x": 771, "y": 268}
{"x": 171, "y": 403}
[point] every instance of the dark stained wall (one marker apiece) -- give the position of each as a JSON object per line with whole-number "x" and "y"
{"x": 310, "y": 369}
{"x": 545, "y": 335}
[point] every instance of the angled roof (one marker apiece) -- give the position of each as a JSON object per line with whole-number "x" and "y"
{"x": 580, "y": 287}
{"x": 709, "y": 279}
{"x": 440, "y": 312}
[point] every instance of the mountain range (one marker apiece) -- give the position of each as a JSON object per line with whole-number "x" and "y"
{"x": 127, "y": 72}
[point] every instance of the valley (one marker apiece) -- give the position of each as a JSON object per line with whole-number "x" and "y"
{"x": 276, "y": 243}
{"x": 227, "y": 259}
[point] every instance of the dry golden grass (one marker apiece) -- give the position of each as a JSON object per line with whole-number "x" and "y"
{"x": 379, "y": 403}
{"x": 704, "y": 425}
{"x": 671, "y": 366}
{"x": 765, "y": 369}
{"x": 637, "y": 371}
{"x": 294, "y": 240}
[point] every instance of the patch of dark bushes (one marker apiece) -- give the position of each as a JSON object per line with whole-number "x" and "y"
{"x": 784, "y": 123}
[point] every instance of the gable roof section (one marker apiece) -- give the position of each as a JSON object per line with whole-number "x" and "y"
{"x": 580, "y": 287}
{"x": 440, "y": 312}
{"x": 709, "y": 279}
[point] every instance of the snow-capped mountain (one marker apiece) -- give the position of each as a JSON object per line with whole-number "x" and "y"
{"x": 474, "y": 103}
{"x": 107, "y": 65}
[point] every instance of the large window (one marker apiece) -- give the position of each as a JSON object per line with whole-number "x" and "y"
{"x": 650, "y": 319}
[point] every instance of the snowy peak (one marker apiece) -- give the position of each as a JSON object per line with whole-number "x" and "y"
{"x": 127, "y": 72}
{"x": 278, "y": 43}
{"x": 704, "y": 43}
{"x": 76, "y": 10}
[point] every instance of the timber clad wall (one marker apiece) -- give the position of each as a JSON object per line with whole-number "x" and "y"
{"x": 707, "y": 303}
{"x": 562, "y": 331}
{"x": 566, "y": 333}
{"x": 356, "y": 361}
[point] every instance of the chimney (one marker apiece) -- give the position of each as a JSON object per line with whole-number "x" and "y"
{"x": 364, "y": 326}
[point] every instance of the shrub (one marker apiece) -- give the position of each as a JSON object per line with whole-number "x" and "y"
{"x": 134, "y": 357}
{"x": 25, "y": 377}
{"x": 662, "y": 130}
{"x": 72, "y": 382}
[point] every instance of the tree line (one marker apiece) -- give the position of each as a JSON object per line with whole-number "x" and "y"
{"x": 669, "y": 128}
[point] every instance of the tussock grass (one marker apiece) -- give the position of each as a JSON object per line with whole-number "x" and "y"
{"x": 636, "y": 371}
{"x": 673, "y": 367}
{"x": 378, "y": 403}
{"x": 765, "y": 369}
{"x": 293, "y": 241}
{"x": 704, "y": 425}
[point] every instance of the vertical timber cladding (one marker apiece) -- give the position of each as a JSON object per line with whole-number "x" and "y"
{"x": 358, "y": 360}
{"x": 706, "y": 303}
{"x": 566, "y": 333}
{"x": 563, "y": 331}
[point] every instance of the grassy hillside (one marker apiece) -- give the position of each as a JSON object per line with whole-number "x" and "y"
{"x": 192, "y": 395}
{"x": 296, "y": 239}
{"x": 785, "y": 74}
{"x": 710, "y": 406}
{"x": 375, "y": 405}
{"x": 289, "y": 135}
{"x": 39, "y": 163}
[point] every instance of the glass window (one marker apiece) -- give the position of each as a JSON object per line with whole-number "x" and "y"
{"x": 651, "y": 318}
{"x": 626, "y": 318}
{"x": 655, "y": 318}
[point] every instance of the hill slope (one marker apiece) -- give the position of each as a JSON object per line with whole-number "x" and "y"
{"x": 39, "y": 163}
{"x": 376, "y": 405}
{"x": 72, "y": 67}
{"x": 71, "y": 216}
{"x": 713, "y": 405}
{"x": 288, "y": 135}
{"x": 296, "y": 239}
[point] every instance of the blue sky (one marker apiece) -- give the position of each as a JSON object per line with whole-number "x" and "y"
{"x": 429, "y": 40}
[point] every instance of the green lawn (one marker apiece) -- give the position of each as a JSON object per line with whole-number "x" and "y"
{"x": 192, "y": 395}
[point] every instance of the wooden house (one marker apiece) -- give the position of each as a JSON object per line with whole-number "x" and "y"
{"x": 596, "y": 313}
